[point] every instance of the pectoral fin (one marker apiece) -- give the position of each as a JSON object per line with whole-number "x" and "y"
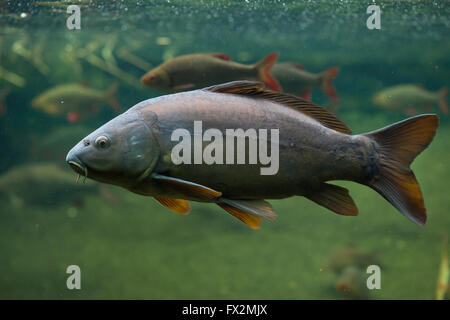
{"x": 187, "y": 188}
{"x": 336, "y": 199}
{"x": 180, "y": 206}
{"x": 248, "y": 211}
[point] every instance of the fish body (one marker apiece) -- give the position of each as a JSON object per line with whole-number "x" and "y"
{"x": 53, "y": 146}
{"x": 73, "y": 100}
{"x": 409, "y": 98}
{"x": 134, "y": 151}
{"x": 193, "y": 71}
{"x": 295, "y": 79}
{"x": 352, "y": 284}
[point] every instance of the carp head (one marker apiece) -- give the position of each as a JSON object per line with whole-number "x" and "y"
{"x": 121, "y": 152}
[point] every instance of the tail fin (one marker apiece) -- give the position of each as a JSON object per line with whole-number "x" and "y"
{"x": 327, "y": 82}
{"x": 263, "y": 69}
{"x": 112, "y": 98}
{"x": 398, "y": 145}
{"x": 442, "y": 103}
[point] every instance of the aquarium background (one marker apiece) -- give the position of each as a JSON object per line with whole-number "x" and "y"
{"x": 129, "y": 246}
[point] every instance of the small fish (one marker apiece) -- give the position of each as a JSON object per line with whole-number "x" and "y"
{"x": 52, "y": 146}
{"x": 74, "y": 100}
{"x": 352, "y": 284}
{"x": 194, "y": 71}
{"x": 410, "y": 98}
{"x": 42, "y": 184}
{"x": 296, "y": 80}
{"x": 134, "y": 150}
{"x": 350, "y": 256}
{"x": 444, "y": 273}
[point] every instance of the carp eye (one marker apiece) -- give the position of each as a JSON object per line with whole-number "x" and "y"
{"x": 102, "y": 142}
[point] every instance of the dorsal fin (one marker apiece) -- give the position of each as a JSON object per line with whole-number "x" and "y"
{"x": 257, "y": 90}
{"x": 222, "y": 56}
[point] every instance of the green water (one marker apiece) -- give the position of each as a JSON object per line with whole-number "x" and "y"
{"x": 128, "y": 246}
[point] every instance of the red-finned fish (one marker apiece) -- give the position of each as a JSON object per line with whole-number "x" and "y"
{"x": 296, "y": 80}
{"x": 411, "y": 98}
{"x": 74, "y": 101}
{"x": 194, "y": 71}
{"x": 42, "y": 184}
{"x": 134, "y": 151}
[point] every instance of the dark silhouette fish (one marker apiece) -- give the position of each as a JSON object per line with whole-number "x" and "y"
{"x": 133, "y": 151}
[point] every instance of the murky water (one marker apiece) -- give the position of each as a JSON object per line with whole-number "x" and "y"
{"x": 128, "y": 246}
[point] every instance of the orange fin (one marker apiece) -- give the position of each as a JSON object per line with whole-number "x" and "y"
{"x": 442, "y": 102}
{"x": 398, "y": 145}
{"x": 327, "y": 82}
{"x": 334, "y": 198}
{"x": 263, "y": 67}
{"x": 73, "y": 116}
{"x": 249, "y": 219}
{"x": 180, "y": 206}
{"x": 187, "y": 188}
{"x": 259, "y": 208}
{"x": 306, "y": 94}
{"x": 222, "y": 56}
{"x": 256, "y": 90}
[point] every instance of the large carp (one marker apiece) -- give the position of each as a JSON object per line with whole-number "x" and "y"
{"x": 134, "y": 151}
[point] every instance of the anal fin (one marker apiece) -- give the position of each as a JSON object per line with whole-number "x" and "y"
{"x": 180, "y": 206}
{"x": 335, "y": 198}
{"x": 248, "y": 211}
{"x": 249, "y": 219}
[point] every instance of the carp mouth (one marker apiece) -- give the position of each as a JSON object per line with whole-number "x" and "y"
{"x": 79, "y": 168}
